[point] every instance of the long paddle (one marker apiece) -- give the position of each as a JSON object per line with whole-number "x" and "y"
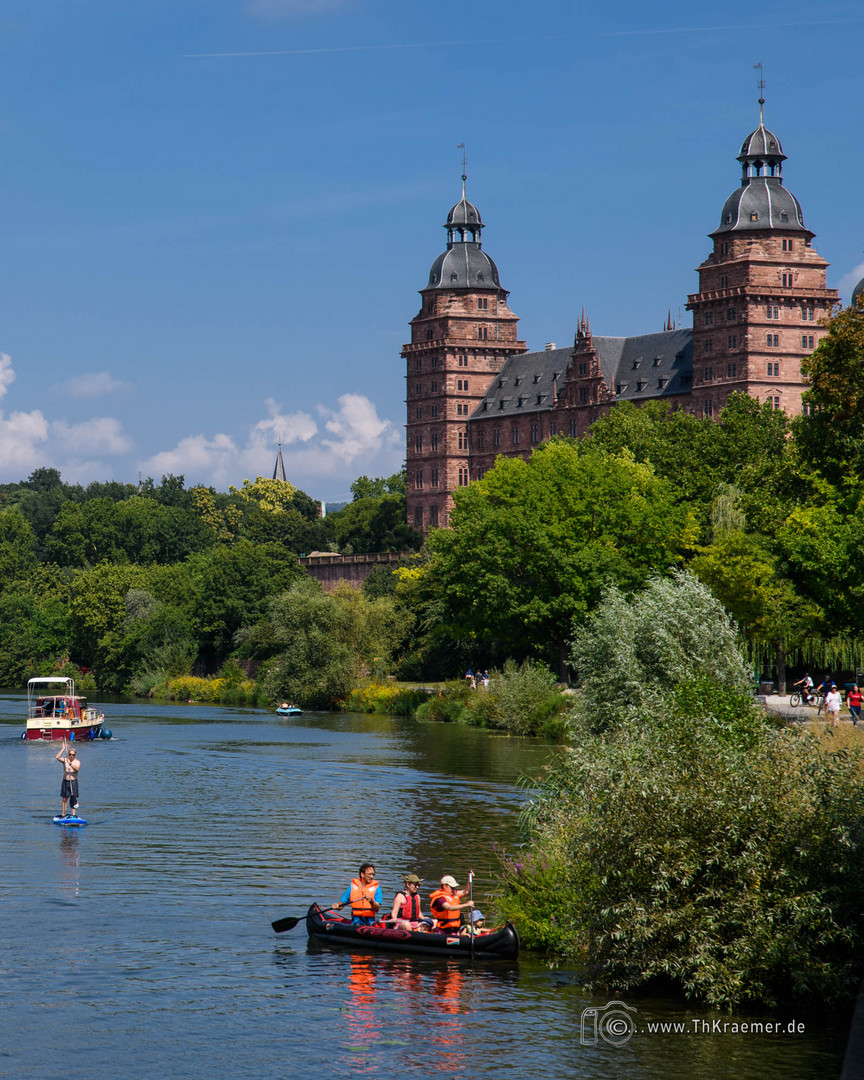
{"x": 471, "y": 909}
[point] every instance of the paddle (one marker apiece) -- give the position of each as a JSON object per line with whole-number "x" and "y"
{"x": 281, "y": 925}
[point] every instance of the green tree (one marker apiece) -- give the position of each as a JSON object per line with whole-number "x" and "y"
{"x": 374, "y": 524}
{"x": 533, "y": 543}
{"x": 832, "y": 435}
{"x": 632, "y": 651}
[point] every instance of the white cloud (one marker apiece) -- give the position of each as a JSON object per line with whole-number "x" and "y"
{"x": 7, "y": 374}
{"x": 848, "y": 282}
{"x": 101, "y": 435}
{"x": 354, "y": 440}
{"x": 28, "y": 441}
{"x": 94, "y": 384}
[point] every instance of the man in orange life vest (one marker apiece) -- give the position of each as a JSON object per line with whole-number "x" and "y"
{"x": 445, "y": 906}
{"x": 364, "y": 896}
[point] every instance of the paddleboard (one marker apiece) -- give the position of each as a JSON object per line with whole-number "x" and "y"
{"x": 73, "y": 821}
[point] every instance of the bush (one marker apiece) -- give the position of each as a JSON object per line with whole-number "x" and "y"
{"x": 385, "y": 699}
{"x": 522, "y": 699}
{"x": 700, "y": 846}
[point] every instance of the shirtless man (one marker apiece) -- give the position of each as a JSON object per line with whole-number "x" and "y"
{"x": 69, "y": 786}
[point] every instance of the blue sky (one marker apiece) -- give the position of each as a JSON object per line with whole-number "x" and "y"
{"x": 215, "y": 214}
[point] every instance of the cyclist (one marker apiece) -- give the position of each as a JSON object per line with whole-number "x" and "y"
{"x": 806, "y": 685}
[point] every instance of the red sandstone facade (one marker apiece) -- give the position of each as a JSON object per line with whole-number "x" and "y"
{"x": 475, "y": 393}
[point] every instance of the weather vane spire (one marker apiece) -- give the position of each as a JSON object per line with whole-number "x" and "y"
{"x": 461, "y": 146}
{"x": 761, "y": 85}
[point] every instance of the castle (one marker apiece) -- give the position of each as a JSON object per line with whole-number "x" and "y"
{"x": 475, "y": 392}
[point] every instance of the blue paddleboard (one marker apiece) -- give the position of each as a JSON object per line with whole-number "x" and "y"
{"x": 74, "y": 821}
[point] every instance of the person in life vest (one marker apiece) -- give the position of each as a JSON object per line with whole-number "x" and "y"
{"x": 445, "y": 905}
{"x": 364, "y": 896}
{"x": 406, "y": 913}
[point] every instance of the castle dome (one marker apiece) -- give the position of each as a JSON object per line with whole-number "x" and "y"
{"x": 464, "y": 265}
{"x": 858, "y": 292}
{"x": 761, "y": 202}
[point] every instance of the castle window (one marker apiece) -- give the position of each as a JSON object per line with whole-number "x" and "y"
{"x": 482, "y": 303}
{"x": 463, "y": 440}
{"x": 708, "y": 347}
{"x": 784, "y": 216}
{"x": 553, "y": 429}
{"x": 461, "y": 410}
{"x": 535, "y": 434}
{"x": 418, "y": 517}
{"x": 574, "y": 429}
{"x": 707, "y": 409}
{"x": 754, "y": 216}
{"x": 479, "y": 277}
{"x": 433, "y": 479}
{"x": 463, "y": 360}
{"x": 463, "y": 476}
{"x": 709, "y": 318}
{"x": 772, "y": 312}
{"x": 418, "y": 364}
{"x": 514, "y": 435}
{"x": 787, "y": 245}
{"x": 583, "y": 394}
{"x": 418, "y": 389}
{"x": 434, "y": 388}
{"x": 773, "y": 368}
{"x": 496, "y": 437}
{"x": 430, "y": 333}
{"x": 480, "y": 440}
{"x": 462, "y": 384}
{"x": 774, "y": 401}
{"x": 727, "y": 220}
{"x": 418, "y": 443}
{"x": 806, "y": 341}
{"x": 418, "y": 480}
{"x": 419, "y": 412}
{"x": 724, "y": 281}
{"x": 708, "y": 375}
{"x": 454, "y": 277}
{"x": 731, "y": 371}
{"x": 788, "y": 280}
{"x": 807, "y": 314}
{"x": 724, "y": 248}
{"x": 731, "y": 314}
{"x": 732, "y": 341}
{"x": 433, "y": 443}
{"x": 433, "y": 410}
{"x": 482, "y": 333}
{"x": 433, "y": 516}
{"x": 772, "y": 341}
{"x": 583, "y": 369}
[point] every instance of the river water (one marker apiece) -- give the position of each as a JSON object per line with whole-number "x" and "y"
{"x": 140, "y": 947}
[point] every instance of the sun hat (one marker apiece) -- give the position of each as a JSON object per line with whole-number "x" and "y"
{"x": 477, "y": 916}
{"x": 412, "y": 879}
{"x": 449, "y": 880}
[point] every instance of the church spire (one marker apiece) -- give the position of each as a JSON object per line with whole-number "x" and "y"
{"x": 279, "y": 468}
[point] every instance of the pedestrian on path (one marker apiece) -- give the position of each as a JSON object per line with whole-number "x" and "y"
{"x": 833, "y": 702}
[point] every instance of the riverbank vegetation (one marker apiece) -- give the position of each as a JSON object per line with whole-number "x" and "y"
{"x": 685, "y": 841}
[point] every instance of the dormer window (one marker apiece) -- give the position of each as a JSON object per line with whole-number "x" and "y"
{"x": 454, "y": 277}
{"x": 500, "y": 383}
{"x": 536, "y": 379}
{"x": 479, "y": 277}
{"x": 784, "y": 216}
{"x": 657, "y": 361}
{"x": 517, "y": 381}
{"x": 636, "y": 364}
{"x": 754, "y": 216}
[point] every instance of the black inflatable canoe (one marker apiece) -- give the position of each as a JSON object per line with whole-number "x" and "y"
{"x": 500, "y": 944}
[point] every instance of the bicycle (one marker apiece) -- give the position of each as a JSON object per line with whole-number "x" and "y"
{"x": 800, "y": 698}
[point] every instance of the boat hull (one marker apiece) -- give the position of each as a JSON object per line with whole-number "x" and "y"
{"x": 69, "y": 732}
{"x": 289, "y": 712}
{"x": 325, "y": 925}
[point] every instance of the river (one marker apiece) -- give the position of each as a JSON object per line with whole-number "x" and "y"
{"x": 141, "y": 945}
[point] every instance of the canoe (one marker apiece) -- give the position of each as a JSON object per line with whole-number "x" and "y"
{"x": 292, "y": 710}
{"x": 325, "y": 925}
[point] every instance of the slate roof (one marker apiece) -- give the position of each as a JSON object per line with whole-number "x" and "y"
{"x": 765, "y": 197}
{"x": 525, "y": 382}
{"x": 464, "y": 266}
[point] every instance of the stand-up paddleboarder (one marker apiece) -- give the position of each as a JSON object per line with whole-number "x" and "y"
{"x": 69, "y": 786}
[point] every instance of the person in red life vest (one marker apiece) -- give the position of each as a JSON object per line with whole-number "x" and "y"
{"x": 445, "y": 906}
{"x": 364, "y": 896}
{"x": 406, "y": 913}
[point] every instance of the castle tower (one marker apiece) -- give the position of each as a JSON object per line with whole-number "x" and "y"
{"x": 461, "y": 336}
{"x": 762, "y": 290}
